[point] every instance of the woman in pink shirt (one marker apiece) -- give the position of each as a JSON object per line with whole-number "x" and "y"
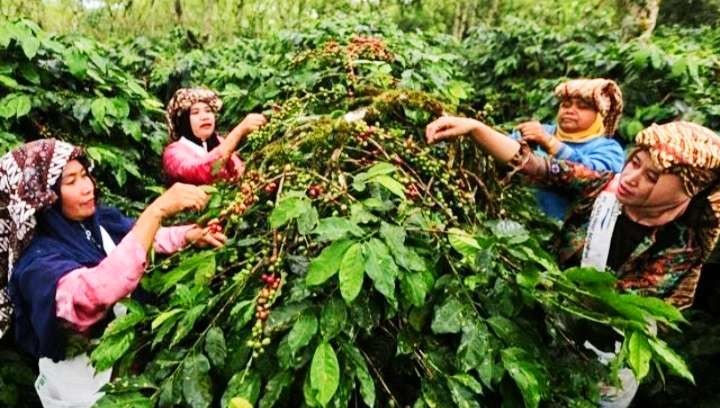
{"x": 68, "y": 260}
{"x": 196, "y": 153}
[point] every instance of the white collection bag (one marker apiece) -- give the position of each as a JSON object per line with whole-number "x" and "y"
{"x": 70, "y": 383}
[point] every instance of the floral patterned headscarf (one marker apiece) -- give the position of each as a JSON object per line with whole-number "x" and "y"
{"x": 692, "y": 152}
{"x": 689, "y": 150}
{"x": 182, "y": 100}
{"x": 27, "y": 177}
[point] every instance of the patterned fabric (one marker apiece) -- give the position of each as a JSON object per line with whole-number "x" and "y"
{"x": 689, "y": 150}
{"x": 692, "y": 152}
{"x": 605, "y": 94}
{"x": 183, "y": 99}
{"x": 27, "y": 175}
{"x": 668, "y": 268}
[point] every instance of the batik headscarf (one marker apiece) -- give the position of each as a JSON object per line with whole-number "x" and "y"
{"x": 605, "y": 95}
{"x": 692, "y": 152}
{"x": 27, "y": 177}
{"x": 181, "y": 102}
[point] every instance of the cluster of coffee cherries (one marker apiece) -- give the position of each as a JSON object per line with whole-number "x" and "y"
{"x": 412, "y": 192}
{"x": 278, "y": 116}
{"x": 267, "y": 294}
{"x": 315, "y": 190}
{"x": 244, "y": 199}
{"x": 365, "y": 134}
{"x": 368, "y": 48}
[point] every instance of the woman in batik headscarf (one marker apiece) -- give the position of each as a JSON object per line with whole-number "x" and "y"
{"x": 586, "y": 121}
{"x": 196, "y": 153}
{"x": 652, "y": 225}
{"x": 67, "y": 260}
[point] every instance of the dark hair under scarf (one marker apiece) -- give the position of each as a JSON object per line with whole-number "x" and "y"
{"x": 183, "y": 129}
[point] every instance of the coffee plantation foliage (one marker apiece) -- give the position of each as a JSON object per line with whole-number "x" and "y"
{"x": 365, "y": 267}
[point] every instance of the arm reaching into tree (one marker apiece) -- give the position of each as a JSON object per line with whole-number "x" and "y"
{"x": 499, "y": 146}
{"x": 548, "y": 171}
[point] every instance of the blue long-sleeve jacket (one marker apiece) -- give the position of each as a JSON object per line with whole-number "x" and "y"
{"x": 600, "y": 153}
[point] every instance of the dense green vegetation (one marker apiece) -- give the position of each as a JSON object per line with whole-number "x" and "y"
{"x": 469, "y": 309}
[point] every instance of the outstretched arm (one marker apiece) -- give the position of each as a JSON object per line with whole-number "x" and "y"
{"x": 547, "y": 171}
{"x": 499, "y": 146}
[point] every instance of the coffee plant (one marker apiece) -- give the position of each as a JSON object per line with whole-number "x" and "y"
{"x": 364, "y": 267}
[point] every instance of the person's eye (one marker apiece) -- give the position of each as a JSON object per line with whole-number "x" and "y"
{"x": 652, "y": 176}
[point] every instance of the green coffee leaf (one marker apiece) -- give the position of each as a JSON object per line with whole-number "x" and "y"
{"x": 449, "y": 317}
{"x": 639, "y": 355}
{"x": 288, "y": 209}
{"x": 196, "y": 383}
{"x": 381, "y": 268}
{"x": 215, "y": 346}
{"x": 302, "y": 331}
{"x": 111, "y": 349}
{"x": 362, "y": 373}
{"x": 526, "y": 374}
{"x": 590, "y": 276}
{"x": 244, "y": 385}
{"x": 391, "y": 184}
{"x": 124, "y": 400}
{"x": 464, "y": 243}
{"x": 324, "y": 373}
{"x": 352, "y": 271}
{"x": 334, "y": 228}
{"x": 671, "y": 359}
{"x": 327, "y": 263}
{"x": 275, "y": 388}
{"x": 333, "y": 318}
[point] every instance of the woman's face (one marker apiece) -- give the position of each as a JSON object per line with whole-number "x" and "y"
{"x": 77, "y": 192}
{"x": 576, "y": 115}
{"x": 642, "y": 184}
{"x": 202, "y": 120}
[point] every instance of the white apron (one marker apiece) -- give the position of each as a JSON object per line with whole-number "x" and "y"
{"x": 603, "y": 218}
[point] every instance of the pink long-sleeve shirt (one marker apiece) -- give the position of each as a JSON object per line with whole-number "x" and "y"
{"x": 186, "y": 162}
{"x": 84, "y": 295}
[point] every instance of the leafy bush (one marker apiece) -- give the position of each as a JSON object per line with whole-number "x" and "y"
{"x": 68, "y": 87}
{"x": 515, "y": 68}
{"x": 375, "y": 275}
{"x": 365, "y": 267}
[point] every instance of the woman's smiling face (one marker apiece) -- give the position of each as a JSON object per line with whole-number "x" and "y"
{"x": 202, "y": 120}
{"x": 77, "y": 192}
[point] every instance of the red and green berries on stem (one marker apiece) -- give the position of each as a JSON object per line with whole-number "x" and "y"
{"x": 259, "y": 341}
{"x": 315, "y": 190}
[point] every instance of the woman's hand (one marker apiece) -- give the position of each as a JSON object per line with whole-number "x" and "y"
{"x": 534, "y": 132}
{"x": 211, "y": 235}
{"x": 180, "y": 197}
{"x": 448, "y": 127}
{"x": 251, "y": 123}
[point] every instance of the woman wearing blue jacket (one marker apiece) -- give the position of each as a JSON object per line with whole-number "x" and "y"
{"x": 587, "y": 119}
